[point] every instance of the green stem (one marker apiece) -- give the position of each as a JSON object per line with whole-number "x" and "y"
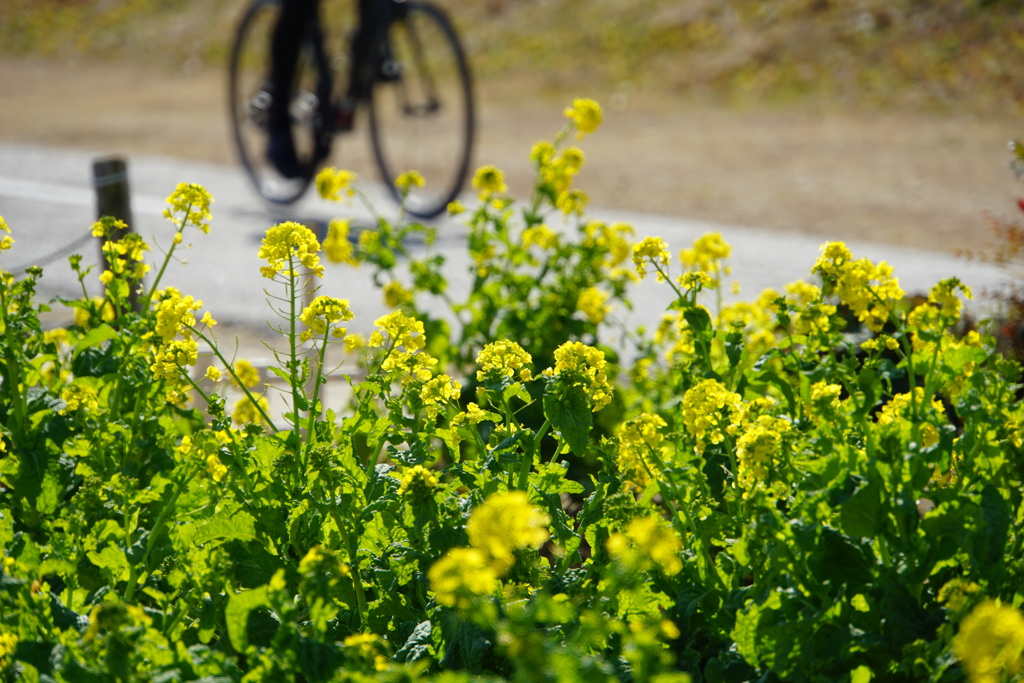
{"x": 527, "y": 463}
{"x": 231, "y": 371}
{"x": 353, "y": 562}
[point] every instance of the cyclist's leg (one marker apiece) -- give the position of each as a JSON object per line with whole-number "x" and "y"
{"x": 373, "y": 16}
{"x": 292, "y": 22}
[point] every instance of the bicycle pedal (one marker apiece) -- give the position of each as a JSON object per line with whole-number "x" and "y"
{"x": 390, "y": 70}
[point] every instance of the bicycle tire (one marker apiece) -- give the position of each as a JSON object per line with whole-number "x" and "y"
{"x": 422, "y": 118}
{"x": 249, "y": 98}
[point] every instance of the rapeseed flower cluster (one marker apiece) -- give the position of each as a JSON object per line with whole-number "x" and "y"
{"x": 8, "y": 646}
{"x": 579, "y": 365}
{"x": 585, "y": 115}
{"x": 651, "y": 249}
{"x": 322, "y": 316}
{"x": 648, "y": 543}
{"x": 175, "y": 314}
{"x": 706, "y": 256}
{"x": 758, "y": 450}
{"x": 490, "y": 181}
{"x": 614, "y": 241}
{"x": 592, "y": 302}
{"x": 503, "y": 362}
{"x": 504, "y": 523}
{"x": 870, "y": 290}
{"x": 408, "y": 180}
{"x": 541, "y": 236}
{"x": 337, "y": 247}
{"x": 438, "y": 391}
{"x": 556, "y": 170}
{"x": 460, "y": 576}
{"x": 288, "y": 245}
{"x": 396, "y": 295}
{"x": 708, "y": 411}
{"x": 501, "y": 525}
{"x": 902, "y": 408}
{"x": 640, "y": 447}
{"x": 810, "y": 316}
{"x": 673, "y": 331}
{"x": 417, "y": 483}
{"x": 824, "y": 401}
{"x": 245, "y": 374}
{"x": 335, "y": 185}
{"x": 171, "y": 358}
{"x": 79, "y": 397}
{"x": 991, "y": 643}
{"x": 939, "y": 312}
{"x": 189, "y": 204}
{"x": 6, "y": 241}
{"x": 124, "y": 256}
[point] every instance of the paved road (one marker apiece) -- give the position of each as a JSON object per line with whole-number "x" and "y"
{"x": 46, "y": 196}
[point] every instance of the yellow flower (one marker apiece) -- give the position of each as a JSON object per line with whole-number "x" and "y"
{"x": 708, "y": 409}
{"x": 246, "y": 373}
{"x": 869, "y": 290}
{"x": 321, "y": 316}
{"x": 213, "y": 373}
{"x": 571, "y": 202}
{"x": 639, "y": 439}
{"x": 174, "y": 314}
{"x": 591, "y": 303}
{"x": 337, "y": 246}
{"x": 651, "y": 249}
{"x": 215, "y": 468}
{"x": 398, "y": 329}
{"x": 396, "y": 295}
{"x": 501, "y": 361}
{"x": 540, "y": 235}
{"x": 577, "y": 364}
{"x": 189, "y": 204}
{"x": 8, "y": 646}
{"x": 107, "y": 226}
{"x": 648, "y": 543}
{"x": 408, "y": 180}
{"x": 78, "y": 397}
{"x": 438, "y": 391}
{"x": 504, "y": 523}
{"x": 288, "y": 245}
{"x": 585, "y": 115}
{"x": 489, "y": 180}
{"x": 245, "y": 412}
{"x": 5, "y": 241}
{"x": 758, "y": 449}
{"x": 473, "y": 415}
{"x": 173, "y": 357}
{"x": 991, "y": 642}
{"x": 335, "y": 185}
{"x": 418, "y": 483}
{"x": 460, "y": 576}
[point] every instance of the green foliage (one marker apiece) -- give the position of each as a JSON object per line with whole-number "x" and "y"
{"x": 822, "y": 484}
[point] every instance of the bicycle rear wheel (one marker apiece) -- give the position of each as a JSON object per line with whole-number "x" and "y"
{"x": 421, "y": 107}
{"x": 250, "y": 96}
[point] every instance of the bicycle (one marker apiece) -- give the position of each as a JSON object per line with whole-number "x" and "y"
{"x": 416, "y": 90}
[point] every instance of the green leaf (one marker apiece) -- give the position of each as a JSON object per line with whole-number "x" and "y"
{"x": 550, "y": 478}
{"x": 570, "y": 415}
{"x": 93, "y": 338}
{"x": 236, "y": 615}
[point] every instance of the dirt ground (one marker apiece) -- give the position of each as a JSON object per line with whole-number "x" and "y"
{"x": 914, "y": 179}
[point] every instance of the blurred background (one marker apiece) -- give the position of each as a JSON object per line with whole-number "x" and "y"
{"x": 850, "y": 119}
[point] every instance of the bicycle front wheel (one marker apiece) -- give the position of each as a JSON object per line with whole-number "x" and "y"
{"x": 250, "y": 96}
{"x": 421, "y": 107}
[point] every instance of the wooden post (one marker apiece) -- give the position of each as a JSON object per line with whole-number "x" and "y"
{"x": 110, "y": 178}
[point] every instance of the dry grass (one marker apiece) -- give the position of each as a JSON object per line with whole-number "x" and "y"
{"x": 916, "y": 53}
